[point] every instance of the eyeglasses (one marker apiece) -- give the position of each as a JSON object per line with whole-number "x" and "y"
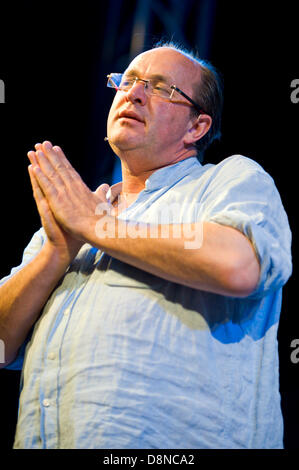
{"x": 156, "y": 87}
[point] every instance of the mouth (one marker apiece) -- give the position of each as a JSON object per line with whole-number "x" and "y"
{"x": 130, "y": 115}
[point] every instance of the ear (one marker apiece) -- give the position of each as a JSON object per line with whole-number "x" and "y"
{"x": 197, "y": 129}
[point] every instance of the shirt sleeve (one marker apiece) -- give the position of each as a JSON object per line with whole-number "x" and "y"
{"x": 243, "y": 195}
{"x": 30, "y": 252}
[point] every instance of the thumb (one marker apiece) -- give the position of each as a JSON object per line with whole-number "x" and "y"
{"x": 102, "y": 189}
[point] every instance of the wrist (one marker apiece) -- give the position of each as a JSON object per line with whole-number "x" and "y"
{"x": 53, "y": 258}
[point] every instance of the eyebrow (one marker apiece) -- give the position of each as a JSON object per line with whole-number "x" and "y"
{"x": 155, "y": 76}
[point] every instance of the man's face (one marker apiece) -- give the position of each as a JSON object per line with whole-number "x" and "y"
{"x": 159, "y": 126}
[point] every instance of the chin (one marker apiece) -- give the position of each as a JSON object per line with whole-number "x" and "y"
{"x": 125, "y": 143}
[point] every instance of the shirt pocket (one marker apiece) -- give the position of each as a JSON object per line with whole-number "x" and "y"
{"x": 121, "y": 274}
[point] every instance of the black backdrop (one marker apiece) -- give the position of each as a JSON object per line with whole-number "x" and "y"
{"x": 54, "y": 61}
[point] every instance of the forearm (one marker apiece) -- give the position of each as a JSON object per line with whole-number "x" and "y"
{"x": 224, "y": 263}
{"x": 23, "y": 296}
{"x": 221, "y": 260}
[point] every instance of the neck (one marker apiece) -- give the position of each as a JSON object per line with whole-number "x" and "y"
{"x": 138, "y": 166}
{"x": 136, "y": 170}
{"x": 133, "y": 183}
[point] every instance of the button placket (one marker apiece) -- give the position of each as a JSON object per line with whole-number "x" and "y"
{"x": 66, "y": 312}
{"x": 51, "y": 355}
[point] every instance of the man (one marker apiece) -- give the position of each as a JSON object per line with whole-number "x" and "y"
{"x": 149, "y": 310}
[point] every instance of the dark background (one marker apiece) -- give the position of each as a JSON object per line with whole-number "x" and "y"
{"x": 54, "y": 58}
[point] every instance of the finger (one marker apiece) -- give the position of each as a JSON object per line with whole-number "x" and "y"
{"x": 48, "y": 170}
{"x": 46, "y": 185}
{"x": 32, "y": 154}
{"x": 38, "y": 160}
{"x": 56, "y": 156}
{"x": 42, "y": 204}
{"x": 32, "y": 157}
{"x": 103, "y": 187}
{"x": 60, "y": 163}
{"x": 37, "y": 192}
{"x": 102, "y": 190}
{"x": 43, "y": 207}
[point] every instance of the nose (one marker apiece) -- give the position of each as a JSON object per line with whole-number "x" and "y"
{"x": 137, "y": 93}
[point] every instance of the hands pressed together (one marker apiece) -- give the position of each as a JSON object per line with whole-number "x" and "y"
{"x": 225, "y": 263}
{"x": 65, "y": 204}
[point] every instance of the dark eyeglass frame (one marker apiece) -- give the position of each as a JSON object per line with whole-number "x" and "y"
{"x": 196, "y": 106}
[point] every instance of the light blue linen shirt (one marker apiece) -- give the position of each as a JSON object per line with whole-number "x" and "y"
{"x": 120, "y": 358}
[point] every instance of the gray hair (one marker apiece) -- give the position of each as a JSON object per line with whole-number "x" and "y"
{"x": 207, "y": 93}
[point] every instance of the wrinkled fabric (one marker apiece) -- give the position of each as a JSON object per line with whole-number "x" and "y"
{"x": 120, "y": 358}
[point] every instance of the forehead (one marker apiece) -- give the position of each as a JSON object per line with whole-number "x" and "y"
{"x": 172, "y": 64}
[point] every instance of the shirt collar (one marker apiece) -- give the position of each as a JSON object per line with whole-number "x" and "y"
{"x": 166, "y": 176}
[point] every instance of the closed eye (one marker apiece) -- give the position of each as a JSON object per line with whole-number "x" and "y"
{"x": 127, "y": 81}
{"x": 161, "y": 86}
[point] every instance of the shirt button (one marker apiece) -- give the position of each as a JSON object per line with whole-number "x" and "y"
{"x": 51, "y": 355}
{"x": 46, "y": 402}
{"x": 67, "y": 311}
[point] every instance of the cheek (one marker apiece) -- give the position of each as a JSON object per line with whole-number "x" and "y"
{"x": 162, "y": 117}
{"x": 110, "y": 118}
{"x": 114, "y": 108}
{"x": 170, "y": 122}
{"x": 111, "y": 114}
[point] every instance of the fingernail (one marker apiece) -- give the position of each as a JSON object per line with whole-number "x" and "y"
{"x": 109, "y": 195}
{"x": 105, "y": 187}
{"x": 47, "y": 145}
